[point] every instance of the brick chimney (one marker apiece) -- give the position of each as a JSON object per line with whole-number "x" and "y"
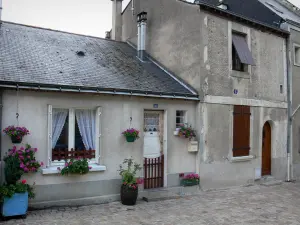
{"x": 116, "y": 33}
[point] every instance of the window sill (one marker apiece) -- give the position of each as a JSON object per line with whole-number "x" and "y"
{"x": 54, "y": 170}
{"x": 296, "y": 64}
{"x": 240, "y": 74}
{"x": 242, "y": 158}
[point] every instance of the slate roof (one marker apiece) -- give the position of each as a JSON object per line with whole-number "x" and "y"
{"x": 44, "y": 57}
{"x": 252, "y": 9}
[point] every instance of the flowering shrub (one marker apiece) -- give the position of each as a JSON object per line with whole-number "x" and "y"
{"x": 187, "y": 132}
{"x": 75, "y": 166}
{"x": 192, "y": 176}
{"x": 17, "y": 132}
{"x": 131, "y": 133}
{"x": 26, "y": 158}
{"x": 8, "y": 190}
{"x": 128, "y": 175}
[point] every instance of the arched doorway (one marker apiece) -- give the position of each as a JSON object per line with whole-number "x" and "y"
{"x": 266, "y": 150}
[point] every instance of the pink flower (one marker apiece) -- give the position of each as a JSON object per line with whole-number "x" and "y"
{"x": 42, "y": 164}
{"x": 58, "y": 168}
{"x": 35, "y": 149}
{"x": 66, "y": 164}
{"x": 28, "y": 157}
{"x": 26, "y": 169}
{"x": 23, "y": 181}
{"x": 22, "y": 165}
{"x": 90, "y": 167}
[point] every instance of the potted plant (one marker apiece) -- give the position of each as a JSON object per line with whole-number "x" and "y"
{"x": 129, "y": 188}
{"x": 131, "y": 134}
{"x": 16, "y": 133}
{"x": 187, "y": 131}
{"x": 14, "y": 194}
{"x": 75, "y": 166}
{"x": 191, "y": 179}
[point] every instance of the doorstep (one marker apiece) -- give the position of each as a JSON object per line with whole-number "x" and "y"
{"x": 168, "y": 193}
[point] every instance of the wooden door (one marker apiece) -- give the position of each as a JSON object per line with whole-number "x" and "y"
{"x": 266, "y": 150}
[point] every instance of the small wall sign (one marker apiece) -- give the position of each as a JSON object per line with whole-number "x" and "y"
{"x": 235, "y": 91}
{"x": 155, "y": 106}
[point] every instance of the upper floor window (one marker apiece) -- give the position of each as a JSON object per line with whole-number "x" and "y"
{"x": 241, "y": 55}
{"x": 296, "y": 55}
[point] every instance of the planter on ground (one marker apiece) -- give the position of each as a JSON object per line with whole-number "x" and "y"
{"x": 17, "y": 205}
{"x": 128, "y": 195}
{"x": 190, "y": 182}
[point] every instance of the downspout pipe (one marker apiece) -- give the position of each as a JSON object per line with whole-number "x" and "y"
{"x": 289, "y": 108}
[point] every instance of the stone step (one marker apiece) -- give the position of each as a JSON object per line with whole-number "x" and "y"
{"x": 272, "y": 183}
{"x": 168, "y": 193}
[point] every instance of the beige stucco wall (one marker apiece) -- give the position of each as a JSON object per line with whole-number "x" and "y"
{"x": 116, "y": 111}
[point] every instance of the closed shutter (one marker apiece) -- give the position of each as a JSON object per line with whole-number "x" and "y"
{"x": 241, "y": 131}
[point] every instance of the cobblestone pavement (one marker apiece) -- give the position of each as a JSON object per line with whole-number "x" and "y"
{"x": 244, "y": 205}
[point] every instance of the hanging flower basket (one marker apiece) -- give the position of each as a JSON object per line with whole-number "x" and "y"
{"x": 130, "y": 139}
{"x": 16, "y": 133}
{"x": 16, "y": 139}
{"x": 131, "y": 134}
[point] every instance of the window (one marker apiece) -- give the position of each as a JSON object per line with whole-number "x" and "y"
{"x": 180, "y": 118}
{"x": 73, "y": 133}
{"x": 241, "y": 131}
{"x": 241, "y": 55}
{"x": 297, "y": 55}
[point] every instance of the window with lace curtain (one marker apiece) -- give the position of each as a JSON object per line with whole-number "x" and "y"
{"x": 73, "y": 133}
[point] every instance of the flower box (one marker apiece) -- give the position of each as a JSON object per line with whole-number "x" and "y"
{"x": 17, "y": 205}
{"x": 186, "y": 182}
{"x": 193, "y": 146}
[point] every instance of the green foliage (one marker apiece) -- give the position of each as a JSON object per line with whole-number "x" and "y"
{"x": 129, "y": 174}
{"x": 187, "y": 131}
{"x": 12, "y": 169}
{"x": 76, "y": 166}
{"x": 8, "y": 190}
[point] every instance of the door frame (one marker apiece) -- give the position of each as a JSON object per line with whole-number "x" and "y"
{"x": 262, "y": 148}
{"x": 165, "y": 140}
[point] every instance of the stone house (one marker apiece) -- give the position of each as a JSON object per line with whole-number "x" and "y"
{"x": 290, "y": 17}
{"x": 225, "y": 56}
{"x": 178, "y": 63}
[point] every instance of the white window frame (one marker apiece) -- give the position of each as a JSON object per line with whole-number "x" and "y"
{"x": 71, "y": 138}
{"x": 296, "y": 46}
{"x": 184, "y": 117}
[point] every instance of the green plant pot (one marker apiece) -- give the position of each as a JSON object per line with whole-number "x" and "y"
{"x": 130, "y": 139}
{"x": 190, "y": 182}
{"x": 16, "y": 140}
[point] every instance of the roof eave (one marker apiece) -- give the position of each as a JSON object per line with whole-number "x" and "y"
{"x": 241, "y": 18}
{"x": 95, "y": 90}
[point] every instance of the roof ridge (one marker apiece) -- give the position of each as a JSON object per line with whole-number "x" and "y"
{"x": 59, "y": 31}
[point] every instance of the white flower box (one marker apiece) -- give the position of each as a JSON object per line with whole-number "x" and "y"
{"x": 193, "y": 146}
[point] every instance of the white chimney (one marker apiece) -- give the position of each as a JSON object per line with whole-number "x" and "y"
{"x": 116, "y": 33}
{"x": 141, "y": 43}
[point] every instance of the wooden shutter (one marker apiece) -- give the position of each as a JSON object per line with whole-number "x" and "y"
{"x": 241, "y": 131}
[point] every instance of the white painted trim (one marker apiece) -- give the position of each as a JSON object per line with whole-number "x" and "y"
{"x": 54, "y": 170}
{"x": 49, "y": 140}
{"x": 242, "y": 158}
{"x": 243, "y": 101}
{"x": 71, "y": 131}
{"x": 294, "y": 53}
{"x": 165, "y": 148}
{"x": 98, "y": 134}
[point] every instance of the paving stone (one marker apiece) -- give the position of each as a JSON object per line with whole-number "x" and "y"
{"x": 254, "y": 205}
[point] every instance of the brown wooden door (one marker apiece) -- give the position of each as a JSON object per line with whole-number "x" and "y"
{"x": 266, "y": 150}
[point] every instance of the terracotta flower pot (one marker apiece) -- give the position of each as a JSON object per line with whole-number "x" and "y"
{"x": 16, "y": 140}
{"x": 128, "y": 195}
